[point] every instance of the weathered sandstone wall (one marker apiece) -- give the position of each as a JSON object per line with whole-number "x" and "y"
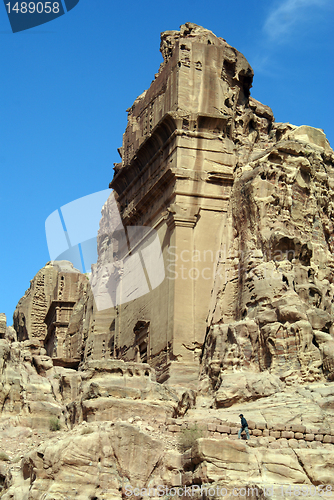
{"x": 147, "y": 392}
{"x": 185, "y": 137}
{"x": 272, "y": 308}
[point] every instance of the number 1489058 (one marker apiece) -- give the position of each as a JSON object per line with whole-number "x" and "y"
{"x": 32, "y": 7}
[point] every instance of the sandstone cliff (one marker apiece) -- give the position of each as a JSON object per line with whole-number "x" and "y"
{"x": 272, "y": 307}
{"x": 104, "y": 398}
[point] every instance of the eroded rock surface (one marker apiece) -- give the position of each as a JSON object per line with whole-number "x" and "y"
{"x": 148, "y": 393}
{"x": 273, "y": 301}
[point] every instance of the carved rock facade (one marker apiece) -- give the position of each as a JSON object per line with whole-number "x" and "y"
{"x": 185, "y": 138}
{"x": 242, "y": 322}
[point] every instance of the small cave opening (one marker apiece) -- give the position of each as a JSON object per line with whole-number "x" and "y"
{"x": 315, "y": 343}
{"x": 231, "y": 337}
{"x": 315, "y": 297}
{"x": 229, "y": 67}
{"x": 116, "y": 372}
{"x": 246, "y": 82}
{"x": 185, "y": 124}
{"x": 252, "y": 127}
{"x": 2, "y": 482}
{"x": 274, "y": 157}
{"x": 305, "y": 176}
{"x": 305, "y": 254}
{"x": 267, "y": 356}
{"x": 26, "y": 471}
{"x": 284, "y": 248}
{"x": 310, "y": 273}
{"x": 279, "y": 134}
{"x": 228, "y": 102}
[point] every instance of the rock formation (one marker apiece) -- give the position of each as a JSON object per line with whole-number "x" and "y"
{"x": 273, "y": 301}
{"x": 185, "y": 137}
{"x": 145, "y": 392}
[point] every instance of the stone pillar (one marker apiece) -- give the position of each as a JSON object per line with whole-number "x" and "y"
{"x": 183, "y": 287}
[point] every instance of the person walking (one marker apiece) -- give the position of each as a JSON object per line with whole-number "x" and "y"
{"x": 244, "y": 427}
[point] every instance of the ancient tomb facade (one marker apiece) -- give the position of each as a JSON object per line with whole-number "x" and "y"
{"x": 64, "y": 348}
{"x": 178, "y": 157}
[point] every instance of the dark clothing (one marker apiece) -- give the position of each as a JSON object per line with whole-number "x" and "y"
{"x": 243, "y": 423}
{"x": 244, "y": 427}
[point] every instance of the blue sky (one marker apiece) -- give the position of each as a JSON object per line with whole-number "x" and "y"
{"x": 65, "y": 87}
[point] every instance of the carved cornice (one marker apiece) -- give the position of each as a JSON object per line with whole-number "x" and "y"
{"x": 148, "y": 180}
{"x": 58, "y": 304}
{"x": 159, "y": 139}
{"x": 175, "y": 220}
{"x": 168, "y": 129}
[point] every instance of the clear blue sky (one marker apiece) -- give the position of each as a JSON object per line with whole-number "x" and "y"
{"x": 65, "y": 87}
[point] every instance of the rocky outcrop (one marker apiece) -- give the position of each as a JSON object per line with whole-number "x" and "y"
{"x": 180, "y": 150}
{"x": 26, "y": 398}
{"x": 124, "y": 381}
{"x": 92, "y": 462}
{"x": 272, "y": 307}
{"x": 32, "y": 308}
{"x": 50, "y": 299}
{"x": 3, "y": 325}
{"x": 68, "y": 324}
{"x": 269, "y": 237}
{"x": 127, "y": 458}
{"x": 108, "y": 390}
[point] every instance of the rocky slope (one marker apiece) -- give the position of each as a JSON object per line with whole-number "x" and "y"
{"x": 272, "y": 311}
{"x": 79, "y": 422}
